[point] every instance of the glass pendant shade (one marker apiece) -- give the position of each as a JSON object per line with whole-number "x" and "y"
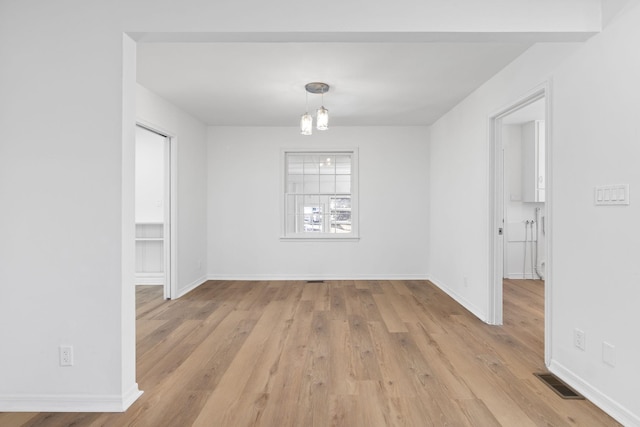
{"x": 306, "y": 124}
{"x": 322, "y": 118}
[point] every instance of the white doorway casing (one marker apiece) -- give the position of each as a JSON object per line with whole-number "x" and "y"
{"x": 497, "y": 206}
{"x": 169, "y": 207}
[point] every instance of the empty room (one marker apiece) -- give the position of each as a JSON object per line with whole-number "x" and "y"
{"x": 381, "y": 214}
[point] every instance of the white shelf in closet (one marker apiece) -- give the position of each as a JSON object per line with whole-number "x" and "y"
{"x": 149, "y": 249}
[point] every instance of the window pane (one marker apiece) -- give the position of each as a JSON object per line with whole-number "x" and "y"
{"x": 325, "y": 202}
{"x": 327, "y": 184}
{"x": 292, "y": 224}
{"x": 311, "y": 201}
{"x": 343, "y": 165}
{"x": 311, "y": 165}
{"x": 327, "y": 165}
{"x": 343, "y": 202}
{"x": 343, "y": 183}
{"x": 311, "y": 184}
{"x": 295, "y": 204}
{"x": 295, "y": 164}
{"x": 294, "y": 183}
{"x": 313, "y": 218}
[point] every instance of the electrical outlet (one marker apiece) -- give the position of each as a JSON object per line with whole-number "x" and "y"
{"x": 465, "y": 280}
{"x": 66, "y": 355}
{"x": 609, "y": 354}
{"x": 579, "y": 339}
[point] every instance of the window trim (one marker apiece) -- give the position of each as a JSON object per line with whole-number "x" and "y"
{"x": 354, "y": 235}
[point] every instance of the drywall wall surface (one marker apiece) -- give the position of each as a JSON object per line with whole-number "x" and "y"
{"x": 62, "y": 266}
{"x": 244, "y": 209}
{"x": 190, "y": 139}
{"x": 65, "y": 113}
{"x": 569, "y": 17}
{"x": 459, "y": 178}
{"x": 150, "y": 177}
{"x": 596, "y": 274}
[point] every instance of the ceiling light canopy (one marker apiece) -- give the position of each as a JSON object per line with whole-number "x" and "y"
{"x": 322, "y": 114}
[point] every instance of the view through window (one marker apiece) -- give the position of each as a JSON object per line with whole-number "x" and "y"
{"x": 318, "y": 194}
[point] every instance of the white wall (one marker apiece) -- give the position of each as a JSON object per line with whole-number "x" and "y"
{"x": 190, "y": 138}
{"x": 62, "y": 257}
{"x": 67, "y": 72}
{"x": 595, "y": 275}
{"x": 150, "y": 148}
{"x": 244, "y": 205}
{"x": 460, "y": 177}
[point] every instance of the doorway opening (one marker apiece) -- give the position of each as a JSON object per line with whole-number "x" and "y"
{"x": 154, "y": 231}
{"x": 520, "y": 226}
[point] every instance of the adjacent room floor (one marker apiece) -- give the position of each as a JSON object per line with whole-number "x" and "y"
{"x": 340, "y": 353}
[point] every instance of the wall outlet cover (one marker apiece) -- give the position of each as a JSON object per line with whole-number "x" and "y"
{"x": 608, "y": 354}
{"x": 579, "y": 339}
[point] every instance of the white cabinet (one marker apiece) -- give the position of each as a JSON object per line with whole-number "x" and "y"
{"x": 533, "y": 161}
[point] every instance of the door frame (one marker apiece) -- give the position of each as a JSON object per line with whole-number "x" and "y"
{"x": 497, "y": 206}
{"x": 170, "y": 208}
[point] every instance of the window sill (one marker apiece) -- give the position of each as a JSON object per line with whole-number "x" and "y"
{"x": 319, "y": 239}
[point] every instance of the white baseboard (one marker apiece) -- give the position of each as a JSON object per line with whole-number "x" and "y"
{"x": 131, "y": 396}
{"x": 480, "y": 314}
{"x": 69, "y": 402}
{"x": 617, "y": 411}
{"x": 516, "y": 276}
{"x": 150, "y": 279}
{"x": 191, "y": 286}
{"x": 266, "y": 277}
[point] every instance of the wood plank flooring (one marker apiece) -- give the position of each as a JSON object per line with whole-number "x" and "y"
{"x": 340, "y": 353}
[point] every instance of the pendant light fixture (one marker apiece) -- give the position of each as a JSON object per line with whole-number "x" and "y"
{"x": 306, "y": 121}
{"x": 306, "y": 124}
{"x": 322, "y": 114}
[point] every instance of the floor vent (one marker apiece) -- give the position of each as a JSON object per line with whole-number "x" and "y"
{"x": 315, "y": 281}
{"x": 559, "y": 386}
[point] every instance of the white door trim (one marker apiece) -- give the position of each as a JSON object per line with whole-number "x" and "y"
{"x": 170, "y": 208}
{"x": 496, "y": 209}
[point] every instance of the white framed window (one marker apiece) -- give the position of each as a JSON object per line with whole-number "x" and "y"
{"x": 320, "y": 194}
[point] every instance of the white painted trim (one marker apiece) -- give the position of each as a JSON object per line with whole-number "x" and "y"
{"x": 173, "y": 219}
{"x": 495, "y": 178}
{"x": 69, "y": 402}
{"x": 460, "y": 299}
{"x": 299, "y": 238}
{"x": 150, "y": 280}
{"x": 496, "y": 248}
{"x": 304, "y": 277}
{"x": 354, "y": 235}
{"x": 548, "y": 206}
{"x": 171, "y": 208}
{"x": 600, "y": 399}
{"x": 527, "y": 276}
{"x": 191, "y": 286}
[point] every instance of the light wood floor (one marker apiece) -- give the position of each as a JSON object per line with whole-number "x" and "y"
{"x": 341, "y": 353}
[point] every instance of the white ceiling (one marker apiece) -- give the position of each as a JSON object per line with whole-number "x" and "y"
{"x": 262, "y": 84}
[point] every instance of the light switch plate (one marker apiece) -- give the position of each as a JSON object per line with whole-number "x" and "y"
{"x": 611, "y": 195}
